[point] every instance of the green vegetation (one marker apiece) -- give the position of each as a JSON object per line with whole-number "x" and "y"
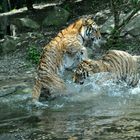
{"x": 33, "y": 54}
{"x": 67, "y": 7}
{"x": 122, "y": 44}
{"x": 131, "y": 7}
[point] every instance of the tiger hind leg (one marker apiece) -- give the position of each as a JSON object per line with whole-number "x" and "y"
{"x": 45, "y": 94}
{"x": 46, "y": 86}
{"x": 36, "y": 90}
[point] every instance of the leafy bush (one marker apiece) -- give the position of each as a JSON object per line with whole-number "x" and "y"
{"x": 33, "y": 54}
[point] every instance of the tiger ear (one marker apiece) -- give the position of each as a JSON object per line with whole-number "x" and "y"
{"x": 90, "y": 17}
{"x": 89, "y": 20}
{"x": 86, "y": 19}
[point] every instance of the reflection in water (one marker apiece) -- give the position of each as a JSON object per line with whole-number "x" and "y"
{"x": 104, "y": 112}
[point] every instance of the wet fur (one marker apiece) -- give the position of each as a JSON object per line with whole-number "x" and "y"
{"x": 65, "y": 51}
{"x": 121, "y": 66}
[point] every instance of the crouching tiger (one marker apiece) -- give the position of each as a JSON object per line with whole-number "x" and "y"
{"x": 120, "y": 65}
{"x": 65, "y": 51}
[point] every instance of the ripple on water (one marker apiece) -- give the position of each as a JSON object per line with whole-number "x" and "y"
{"x": 90, "y": 111}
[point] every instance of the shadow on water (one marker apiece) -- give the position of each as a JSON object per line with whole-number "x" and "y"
{"x": 105, "y": 112}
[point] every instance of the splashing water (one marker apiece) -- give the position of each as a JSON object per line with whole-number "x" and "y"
{"x": 89, "y": 111}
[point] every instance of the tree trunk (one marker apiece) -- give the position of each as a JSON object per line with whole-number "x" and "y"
{"x": 4, "y": 20}
{"x": 29, "y": 4}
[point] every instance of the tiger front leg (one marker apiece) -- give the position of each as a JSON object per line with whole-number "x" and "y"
{"x": 73, "y": 58}
{"x": 83, "y": 54}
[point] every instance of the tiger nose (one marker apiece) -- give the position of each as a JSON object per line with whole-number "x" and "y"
{"x": 99, "y": 37}
{"x": 81, "y": 82}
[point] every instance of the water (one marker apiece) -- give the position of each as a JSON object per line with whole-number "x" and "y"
{"x": 90, "y": 112}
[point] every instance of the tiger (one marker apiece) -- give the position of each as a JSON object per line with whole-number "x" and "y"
{"x": 64, "y": 52}
{"x": 120, "y": 66}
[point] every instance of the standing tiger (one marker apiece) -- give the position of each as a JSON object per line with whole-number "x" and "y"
{"x": 65, "y": 51}
{"x": 120, "y": 65}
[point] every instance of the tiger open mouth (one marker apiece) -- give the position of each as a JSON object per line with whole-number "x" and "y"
{"x": 81, "y": 82}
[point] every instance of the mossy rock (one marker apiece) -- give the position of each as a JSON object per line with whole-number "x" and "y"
{"x": 9, "y": 45}
{"x": 133, "y": 27}
{"x": 25, "y": 24}
{"x": 56, "y": 17}
{"x": 29, "y": 23}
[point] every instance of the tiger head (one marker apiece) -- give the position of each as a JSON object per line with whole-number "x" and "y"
{"x": 90, "y": 31}
{"x": 84, "y": 69}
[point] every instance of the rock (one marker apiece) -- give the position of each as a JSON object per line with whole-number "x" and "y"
{"x": 131, "y": 28}
{"x": 25, "y": 24}
{"x": 108, "y": 26}
{"x": 17, "y": 88}
{"x": 29, "y": 23}
{"x": 6, "y": 91}
{"x": 102, "y": 16}
{"x": 56, "y": 17}
{"x": 9, "y": 45}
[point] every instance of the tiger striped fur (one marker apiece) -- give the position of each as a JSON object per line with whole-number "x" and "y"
{"x": 121, "y": 65}
{"x": 65, "y": 51}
